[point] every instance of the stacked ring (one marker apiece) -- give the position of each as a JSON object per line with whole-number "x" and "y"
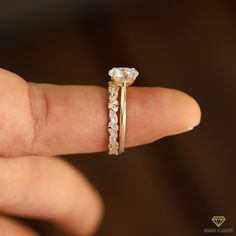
{"x": 121, "y": 78}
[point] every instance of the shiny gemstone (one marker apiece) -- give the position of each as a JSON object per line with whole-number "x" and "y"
{"x": 123, "y": 75}
{"x": 113, "y": 126}
{"x": 113, "y": 105}
{"x": 113, "y": 117}
{"x": 113, "y": 96}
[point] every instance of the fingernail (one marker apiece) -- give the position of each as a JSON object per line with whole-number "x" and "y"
{"x": 184, "y": 130}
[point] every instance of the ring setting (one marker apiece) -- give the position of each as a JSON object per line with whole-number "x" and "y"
{"x": 121, "y": 78}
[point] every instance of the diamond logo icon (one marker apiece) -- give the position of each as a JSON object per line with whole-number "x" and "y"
{"x": 218, "y": 220}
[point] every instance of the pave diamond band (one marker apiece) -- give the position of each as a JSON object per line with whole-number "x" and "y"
{"x": 121, "y": 78}
{"x": 113, "y": 107}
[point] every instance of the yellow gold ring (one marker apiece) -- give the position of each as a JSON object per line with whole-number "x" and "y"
{"x": 121, "y": 78}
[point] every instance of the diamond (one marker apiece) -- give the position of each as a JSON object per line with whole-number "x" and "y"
{"x": 113, "y": 105}
{"x": 113, "y": 137}
{"x": 113, "y": 151}
{"x": 112, "y": 131}
{"x": 123, "y": 75}
{"x": 113, "y": 96}
{"x": 218, "y": 220}
{"x": 113, "y": 117}
{"x": 113, "y": 148}
{"x": 112, "y": 87}
{"x": 113, "y": 126}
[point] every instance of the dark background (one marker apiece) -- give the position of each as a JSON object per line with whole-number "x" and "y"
{"x": 173, "y": 186}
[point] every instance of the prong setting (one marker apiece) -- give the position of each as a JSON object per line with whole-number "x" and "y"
{"x": 123, "y": 76}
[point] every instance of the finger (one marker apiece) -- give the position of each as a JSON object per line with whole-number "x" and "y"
{"x": 48, "y": 119}
{"x": 49, "y": 188}
{"x": 10, "y": 227}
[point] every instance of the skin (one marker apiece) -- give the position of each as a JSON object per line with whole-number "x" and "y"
{"x": 42, "y": 120}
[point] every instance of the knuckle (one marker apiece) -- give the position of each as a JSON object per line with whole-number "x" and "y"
{"x": 39, "y": 104}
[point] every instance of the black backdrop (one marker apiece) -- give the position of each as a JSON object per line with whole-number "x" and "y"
{"x": 173, "y": 186}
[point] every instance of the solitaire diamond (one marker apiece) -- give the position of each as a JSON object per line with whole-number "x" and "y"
{"x": 123, "y": 75}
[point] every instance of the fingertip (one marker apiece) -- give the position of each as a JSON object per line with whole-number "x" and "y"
{"x": 91, "y": 222}
{"x": 188, "y": 107}
{"x": 154, "y": 113}
{"x": 187, "y": 113}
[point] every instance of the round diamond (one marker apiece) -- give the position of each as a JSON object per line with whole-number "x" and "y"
{"x": 123, "y": 75}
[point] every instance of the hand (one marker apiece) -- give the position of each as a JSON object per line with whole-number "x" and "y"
{"x": 39, "y": 120}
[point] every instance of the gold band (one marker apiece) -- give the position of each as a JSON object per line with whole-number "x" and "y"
{"x": 122, "y": 128}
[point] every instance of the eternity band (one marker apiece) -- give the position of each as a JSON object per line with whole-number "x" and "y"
{"x": 121, "y": 78}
